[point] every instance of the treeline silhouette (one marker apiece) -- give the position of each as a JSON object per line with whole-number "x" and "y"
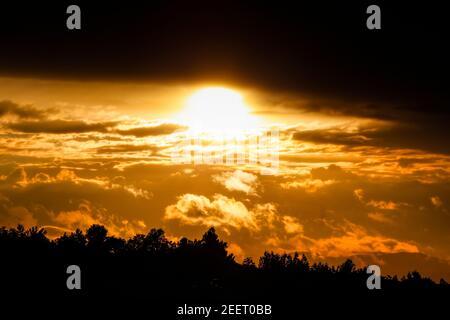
{"x": 152, "y": 266}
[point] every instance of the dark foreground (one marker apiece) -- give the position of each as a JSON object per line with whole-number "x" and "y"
{"x": 150, "y": 277}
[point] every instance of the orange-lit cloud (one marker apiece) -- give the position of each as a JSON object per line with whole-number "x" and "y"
{"x": 87, "y": 215}
{"x": 220, "y": 211}
{"x": 238, "y": 180}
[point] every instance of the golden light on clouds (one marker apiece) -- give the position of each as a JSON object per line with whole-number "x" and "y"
{"x": 76, "y": 154}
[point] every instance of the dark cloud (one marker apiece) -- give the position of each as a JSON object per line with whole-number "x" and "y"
{"x": 410, "y": 162}
{"x": 322, "y": 49}
{"x": 428, "y": 136}
{"x": 162, "y": 129}
{"x": 8, "y": 107}
{"x": 126, "y": 148}
{"x": 319, "y": 51}
{"x": 332, "y": 172}
{"x": 60, "y": 126}
{"x": 331, "y": 136}
{"x": 429, "y": 133}
{"x": 97, "y": 138}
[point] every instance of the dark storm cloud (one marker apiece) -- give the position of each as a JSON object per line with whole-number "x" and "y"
{"x": 321, "y": 48}
{"x": 316, "y": 50}
{"x": 410, "y": 162}
{"x": 60, "y": 126}
{"x": 162, "y": 129}
{"x": 8, "y": 107}
{"x": 431, "y": 135}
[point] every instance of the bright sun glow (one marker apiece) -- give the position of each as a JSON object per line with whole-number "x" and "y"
{"x": 216, "y": 109}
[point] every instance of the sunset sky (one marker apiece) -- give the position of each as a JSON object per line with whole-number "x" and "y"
{"x": 89, "y": 118}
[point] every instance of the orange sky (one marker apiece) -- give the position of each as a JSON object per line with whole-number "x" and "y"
{"x": 77, "y": 153}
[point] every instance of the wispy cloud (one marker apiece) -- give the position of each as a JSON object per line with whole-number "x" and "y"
{"x": 60, "y": 126}
{"x": 155, "y": 130}
{"x": 8, "y": 107}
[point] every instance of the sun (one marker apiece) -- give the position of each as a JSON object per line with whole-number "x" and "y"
{"x": 217, "y": 109}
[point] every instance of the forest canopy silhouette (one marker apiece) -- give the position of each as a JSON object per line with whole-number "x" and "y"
{"x": 150, "y": 265}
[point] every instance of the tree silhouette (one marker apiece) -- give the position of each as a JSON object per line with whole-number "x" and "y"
{"x": 203, "y": 267}
{"x": 96, "y": 235}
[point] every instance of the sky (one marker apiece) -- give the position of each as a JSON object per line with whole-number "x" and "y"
{"x": 89, "y": 120}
